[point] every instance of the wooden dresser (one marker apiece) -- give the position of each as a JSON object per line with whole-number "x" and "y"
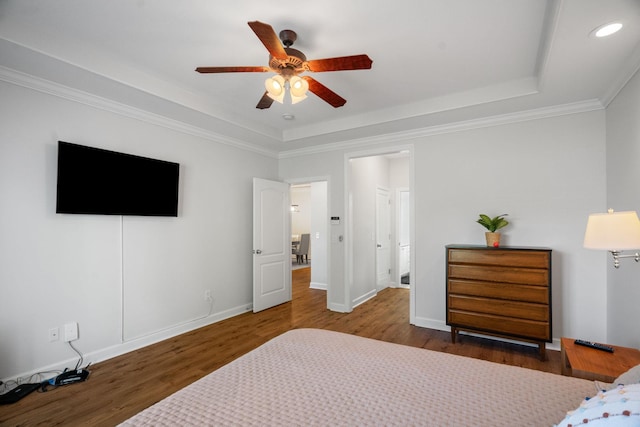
{"x": 502, "y": 292}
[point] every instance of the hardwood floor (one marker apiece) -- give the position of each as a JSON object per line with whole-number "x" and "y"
{"x": 120, "y": 387}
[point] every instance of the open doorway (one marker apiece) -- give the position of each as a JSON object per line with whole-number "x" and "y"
{"x": 309, "y": 217}
{"x": 373, "y": 180}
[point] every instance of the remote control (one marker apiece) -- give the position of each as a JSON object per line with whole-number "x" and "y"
{"x": 595, "y": 345}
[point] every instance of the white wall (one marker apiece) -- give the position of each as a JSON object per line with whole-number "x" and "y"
{"x": 138, "y": 278}
{"x": 319, "y": 235}
{"x": 623, "y": 177}
{"x": 547, "y": 174}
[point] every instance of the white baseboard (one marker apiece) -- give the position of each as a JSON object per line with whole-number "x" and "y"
{"x": 364, "y": 298}
{"x": 339, "y": 308}
{"x": 134, "y": 344}
{"x": 440, "y": 325}
{"x": 318, "y": 285}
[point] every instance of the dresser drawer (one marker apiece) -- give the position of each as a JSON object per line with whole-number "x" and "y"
{"x": 515, "y": 309}
{"x": 532, "y": 259}
{"x": 502, "y": 291}
{"x": 525, "y": 276}
{"x": 501, "y": 325}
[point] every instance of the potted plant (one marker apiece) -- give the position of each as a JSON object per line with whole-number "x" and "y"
{"x": 492, "y": 224}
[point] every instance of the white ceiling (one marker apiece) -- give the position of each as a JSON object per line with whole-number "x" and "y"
{"x": 435, "y": 62}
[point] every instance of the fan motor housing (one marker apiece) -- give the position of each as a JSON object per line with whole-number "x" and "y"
{"x": 294, "y": 63}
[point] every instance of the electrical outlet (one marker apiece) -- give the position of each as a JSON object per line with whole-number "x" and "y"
{"x": 54, "y": 334}
{"x": 70, "y": 331}
{"x": 207, "y": 296}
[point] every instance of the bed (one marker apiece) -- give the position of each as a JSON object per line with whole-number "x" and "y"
{"x": 318, "y": 377}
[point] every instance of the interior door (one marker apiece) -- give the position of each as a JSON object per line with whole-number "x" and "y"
{"x": 383, "y": 238}
{"x": 271, "y": 244}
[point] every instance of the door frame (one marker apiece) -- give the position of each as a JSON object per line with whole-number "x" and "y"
{"x": 348, "y": 230}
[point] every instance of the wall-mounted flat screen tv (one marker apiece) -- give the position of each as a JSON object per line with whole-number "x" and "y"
{"x": 96, "y": 181}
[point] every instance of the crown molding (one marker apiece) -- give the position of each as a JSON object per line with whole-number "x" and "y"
{"x": 55, "y": 89}
{"x": 498, "y": 120}
{"x": 61, "y": 91}
{"x": 470, "y": 98}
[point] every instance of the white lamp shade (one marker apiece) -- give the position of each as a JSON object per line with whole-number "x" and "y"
{"x": 614, "y": 231}
{"x": 298, "y": 88}
{"x": 275, "y": 88}
{"x": 296, "y": 99}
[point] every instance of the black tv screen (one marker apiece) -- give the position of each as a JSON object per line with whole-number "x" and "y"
{"x": 96, "y": 181}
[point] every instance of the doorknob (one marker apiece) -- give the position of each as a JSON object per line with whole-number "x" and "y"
{"x": 379, "y": 245}
{"x": 257, "y": 251}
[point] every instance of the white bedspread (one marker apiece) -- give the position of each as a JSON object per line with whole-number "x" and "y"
{"x": 311, "y": 377}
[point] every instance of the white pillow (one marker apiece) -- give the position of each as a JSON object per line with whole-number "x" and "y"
{"x": 618, "y": 407}
{"x": 632, "y": 376}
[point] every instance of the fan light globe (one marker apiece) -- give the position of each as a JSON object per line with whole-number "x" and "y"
{"x": 296, "y": 99}
{"x": 275, "y": 88}
{"x": 298, "y": 88}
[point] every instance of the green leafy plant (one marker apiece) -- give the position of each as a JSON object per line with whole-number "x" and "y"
{"x": 492, "y": 224}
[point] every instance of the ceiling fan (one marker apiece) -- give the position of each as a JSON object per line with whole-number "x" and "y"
{"x": 288, "y": 64}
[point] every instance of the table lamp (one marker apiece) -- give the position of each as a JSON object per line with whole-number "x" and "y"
{"x": 615, "y": 232}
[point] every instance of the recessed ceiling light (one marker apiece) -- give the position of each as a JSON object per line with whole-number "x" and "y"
{"x": 288, "y": 116}
{"x": 607, "y": 29}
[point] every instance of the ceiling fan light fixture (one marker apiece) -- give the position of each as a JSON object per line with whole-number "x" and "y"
{"x": 296, "y": 99}
{"x": 298, "y": 86}
{"x": 275, "y": 88}
{"x": 287, "y": 62}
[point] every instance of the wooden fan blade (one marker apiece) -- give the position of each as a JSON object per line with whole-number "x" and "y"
{"x": 355, "y": 62}
{"x": 232, "y": 69}
{"x": 269, "y": 39}
{"x": 265, "y": 101}
{"x": 324, "y": 92}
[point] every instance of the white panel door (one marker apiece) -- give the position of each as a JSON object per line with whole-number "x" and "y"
{"x": 383, "y": 238}
{"x": 271, "y": 244}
